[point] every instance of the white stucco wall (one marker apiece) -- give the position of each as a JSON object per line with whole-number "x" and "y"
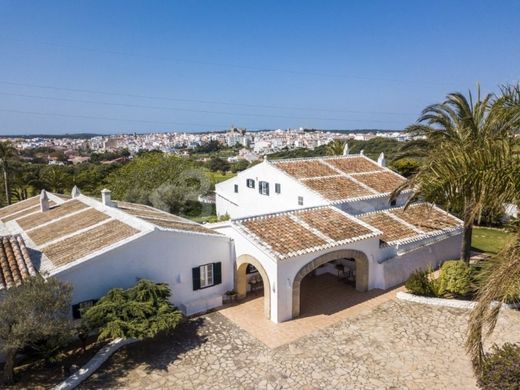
{"x": 248, "y": 201}
{"x": 396, "y": 270}
{"x": 161, "y": 256}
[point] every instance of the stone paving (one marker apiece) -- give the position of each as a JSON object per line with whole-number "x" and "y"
{"x": 398, "y": 345}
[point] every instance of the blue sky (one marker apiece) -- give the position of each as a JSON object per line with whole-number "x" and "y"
{"x": 119, "y": 66}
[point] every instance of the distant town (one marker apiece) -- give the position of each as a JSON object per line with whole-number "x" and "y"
{"x": 251, "y": 145}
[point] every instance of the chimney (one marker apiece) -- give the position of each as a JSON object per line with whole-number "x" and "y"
{"x": 44, "y": 201}
{"x": 106, "y": 197}
{"x": 345, "y": 149}
{"x": 75, "y": 192}
{"x": 362, "y": 152}
{"x": 381, "y": 159}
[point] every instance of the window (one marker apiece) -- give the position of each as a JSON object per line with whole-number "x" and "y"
{"x": 207, "y": 275}
{"x": 236, "y": 187}
{"x": 79, "y": 308}
{"x": 263, "y": 188}
{"x": 250, "y": 183}
{"x": 277, "y": 188}
{"x": 300, "y": 200}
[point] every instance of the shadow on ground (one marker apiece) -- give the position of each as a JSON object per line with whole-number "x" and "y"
{"x": 153, "y": 354}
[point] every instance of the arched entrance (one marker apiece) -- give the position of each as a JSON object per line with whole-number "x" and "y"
{"x": 361, "y": 263}
{"x": 241, "y": 280}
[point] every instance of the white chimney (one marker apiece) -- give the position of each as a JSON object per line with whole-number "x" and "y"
{"x": 75, "y": 192}
{"x": 44, "y": 201}
{"x": 106, "y": 197}
{"x": 381, "y": 159}
{"x": 345, "y": 149}
{"x": 362, "y": 152}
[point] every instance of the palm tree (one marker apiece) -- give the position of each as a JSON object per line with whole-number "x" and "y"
{"x": 7, "y": 153}
{"x": 502, "y": 284}
{"x": 336, "y": 147}
{"x": 468, "y": 166}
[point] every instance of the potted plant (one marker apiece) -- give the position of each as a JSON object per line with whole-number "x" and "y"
{"x": 230, "y": 296}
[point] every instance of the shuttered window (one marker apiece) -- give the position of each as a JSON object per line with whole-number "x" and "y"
{"x": 207, "y": 275}
{"x": 250, "y": 183}
{"x": 263, "y": 188}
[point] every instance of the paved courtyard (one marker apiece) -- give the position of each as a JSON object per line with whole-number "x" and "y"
{"x": 325, "y": 301}
{"x": 398, "y": 345}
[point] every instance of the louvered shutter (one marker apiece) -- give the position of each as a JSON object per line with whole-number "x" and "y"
{"x": 196, "y": 278}
{"x": 217, "y": 273}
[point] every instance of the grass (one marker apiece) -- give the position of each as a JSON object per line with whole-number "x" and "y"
{"x": 217, "y": 177}
{"x": 489, "y": 240}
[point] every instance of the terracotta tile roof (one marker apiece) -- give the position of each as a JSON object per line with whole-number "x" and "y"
{"x": 333, "y": 223}
{"x": 335, "y": 177}
{"x": 15, "y": 262}
{"x": 426, "y": 218}
{"x": 282, "y": 234}
{"x": 305, "y": 168}
{"x": 22, "y": 205}
{"x": 61, "y": 210}
{"x": 21, "y": 213}
{"x": 337, "y": 188}
{"x": 163, "y": 219}
{"x": 383, "y": 182}
{"x": 354, "y": 164}
{"x": 392, "y": 229}
{"x": 303, "y": 231}
{"x": 85, "y": 243}
{"x": 67, "y": 225}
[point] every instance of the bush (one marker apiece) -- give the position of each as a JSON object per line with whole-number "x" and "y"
{"x": 455, "y": 278}
{"x": 419, "y": 283}
{"x": 501, "y": 368}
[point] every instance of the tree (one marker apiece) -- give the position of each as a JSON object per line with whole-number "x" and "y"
{"x": 7, "y": 154}
{"x": 471, "y": 163}
{"x": 147, "y": 178}
{"x": 138, "y": 312}
{"x": 56, "y": 178}
{"x": 336, "y": 147}
{"x": 217, "y": 164}
{"x": 32, "y": 312}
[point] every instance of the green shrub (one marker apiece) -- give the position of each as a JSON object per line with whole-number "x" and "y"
{"x": 501, "y": 368}
{"x": 420, "y": 283}
{"x": 455, "y": 278}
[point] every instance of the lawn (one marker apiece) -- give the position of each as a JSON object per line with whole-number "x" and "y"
{"x": 489, "y": 240}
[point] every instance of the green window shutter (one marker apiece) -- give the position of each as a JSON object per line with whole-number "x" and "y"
{"x": 196, "y": 278}
{"x": 217, "y": 273}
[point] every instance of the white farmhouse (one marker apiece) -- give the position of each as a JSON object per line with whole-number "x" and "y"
{"x": 300, "y": 217}
{"x": 353, "y": 183}
{"x": 98, "y": 245}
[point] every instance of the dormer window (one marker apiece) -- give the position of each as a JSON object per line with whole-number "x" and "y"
{"x": 263, "y": 188}
{"x": 250, "y": 183}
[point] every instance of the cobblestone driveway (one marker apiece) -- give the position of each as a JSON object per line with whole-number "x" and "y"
{"x": 398, "y": 345}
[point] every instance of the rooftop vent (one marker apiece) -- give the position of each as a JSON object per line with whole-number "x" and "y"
{"x": 44, "y": 201}
{"x": 381, "y": 159}
{"x": 75, "y": 192}
{"x": 106, "y": 197}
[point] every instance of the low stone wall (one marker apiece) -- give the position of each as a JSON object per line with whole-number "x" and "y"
{"x": 93, "y": 364}
{"x": 456, "y": 303}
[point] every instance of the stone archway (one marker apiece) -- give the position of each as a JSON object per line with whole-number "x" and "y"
{"x": 361, "y": 273}
{"x": 241, "y": 280}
